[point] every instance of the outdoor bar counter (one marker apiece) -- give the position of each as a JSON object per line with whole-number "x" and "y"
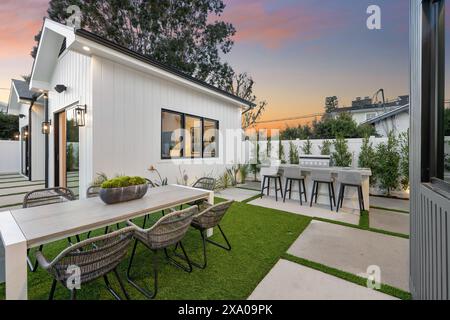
{"x": 350, "y": 196}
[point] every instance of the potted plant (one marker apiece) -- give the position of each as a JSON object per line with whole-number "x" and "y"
{"x": 122, "y": 189}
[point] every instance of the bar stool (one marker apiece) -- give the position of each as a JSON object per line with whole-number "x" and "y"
{"x": 274, "y": 174}
{"x": 291, "y": 175}
{"x": 322, "y": 177}
{"x": 350, "y": 179}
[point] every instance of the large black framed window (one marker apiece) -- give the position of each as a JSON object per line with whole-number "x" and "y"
{"x": 186, "y": 136}
{"x": 435, "y": 95}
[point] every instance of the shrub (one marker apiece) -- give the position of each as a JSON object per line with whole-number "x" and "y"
{"x": 367, "y": 158}
{"x": 387, "y": 164}
{"x": 244, "y": 171}
{"x": 325, "y": 149}
{"x": 404, "y": 159}
{"x": 341, "y": 156}
{"x": 281, "y": 155}
{"x": 122, "y": 182}
{"x": 307, "y": 147}
{"x": 294, "y": 158}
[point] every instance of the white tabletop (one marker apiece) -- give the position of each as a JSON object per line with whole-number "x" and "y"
{"x": 45, "y": 224}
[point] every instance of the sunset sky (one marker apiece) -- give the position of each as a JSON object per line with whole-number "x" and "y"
{"x": 298, "y": 51}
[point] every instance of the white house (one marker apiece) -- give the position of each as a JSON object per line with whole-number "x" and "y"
{"x": 30, "y": 109}
{"x": 396, "y": 121}
{"x": 115, "y": 111}
{"x": 363, "y": 109}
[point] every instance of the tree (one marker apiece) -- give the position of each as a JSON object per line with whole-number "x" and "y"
{"x": 331, "y": 104}
{"x": 9, "y": 126}
{"x": 184, "y": 34}
{"x": 307, "y": 147}
{"x": 294, "y": 157}
{"x": 341, "y": 156}
{"x": 325, "y": 149}
{"x": 241, "y": 85}
{"x": 387, "y": 164}
{"x": 367, "y": 157}
{"x": 404, "y": 159}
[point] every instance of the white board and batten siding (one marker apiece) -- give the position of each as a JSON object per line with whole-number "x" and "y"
{"x": 127, "y": 122}
{"x": 74, "y": 71}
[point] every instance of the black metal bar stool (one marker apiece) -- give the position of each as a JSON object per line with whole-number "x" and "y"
{"x": 322, "y": 177}
{"x": 354, "y": 180}
{"x": 292, "y": 174}
{"x": 272, "y": 173}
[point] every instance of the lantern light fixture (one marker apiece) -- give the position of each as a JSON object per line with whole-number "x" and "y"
{"x": 79, "y": 115}
{"x": 46, "y": 127}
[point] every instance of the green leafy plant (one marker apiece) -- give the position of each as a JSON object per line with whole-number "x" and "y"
{"x": 341, "y": 156}
{"x": 123, "y": 182}
{"x": 294, "y": 157}
{"x": 307, "y": 147}
{"x": 161, "y": 181}
{"x": 184, "y": 178}
{"x": 367, "y": 157}
{"x": 244, "y": 171}
{"x": 404, "y": 160}
{"x": 325, "y": 149}
{"x": 281, "y": 155}
{"x": 224, "y": 181}
{"x": 387, "y": 164}
{"x": 101, "y": 177}
{"x": 255, "y": 167}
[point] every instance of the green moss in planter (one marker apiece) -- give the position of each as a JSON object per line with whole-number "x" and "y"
{"x": 123, "y": 182}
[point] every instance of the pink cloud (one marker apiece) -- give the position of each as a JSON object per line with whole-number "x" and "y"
{"x": 19, "y": 22}
{"x": 273, "y": 28}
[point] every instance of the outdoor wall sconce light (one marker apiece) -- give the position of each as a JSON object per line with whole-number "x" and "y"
{"x": 79, "y": 115}
{"x": 25, "y": 134}
{"x": 17, "y": 136}
{"x": 46, "y": 127}
{"x": 60, "y": 88}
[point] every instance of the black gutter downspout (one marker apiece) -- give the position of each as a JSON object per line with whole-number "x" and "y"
{"x": 29, "y": 151}
{"x": 46, "y": 141}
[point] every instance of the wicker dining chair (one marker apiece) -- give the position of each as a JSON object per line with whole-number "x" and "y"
{"x": 42, "y": 197}
{"x": 204, "y": 183}
{"x": 95, "y": 258}
{"x": 168, "y": 231}
{"x": 210, "y": 217}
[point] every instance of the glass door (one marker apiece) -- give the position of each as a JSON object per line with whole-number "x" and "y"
{"x": 72, "y": 153}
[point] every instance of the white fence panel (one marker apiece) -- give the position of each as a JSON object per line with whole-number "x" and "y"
{"x": 9, "y": 156}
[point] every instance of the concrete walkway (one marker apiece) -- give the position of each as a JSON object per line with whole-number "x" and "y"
{"x": 354, "y": 251}
{"x": 389, "y": 203}
{"x": 236, "y": 194}
{"x": 13, "y": 188}
{"x": 389, "y": 221}
{"x": 291, "y": 281}
{"x": 319, "y": 211}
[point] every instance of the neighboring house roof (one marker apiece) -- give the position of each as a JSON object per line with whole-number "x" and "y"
{"x": 388, "y": 114}
{"x": 56, "y": 36}
{"x": 370, "y": 107}
{"x": 400, "y": 101}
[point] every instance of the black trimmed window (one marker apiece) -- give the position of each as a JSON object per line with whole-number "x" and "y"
{"x": 435, "y": 95}
{"x": 186, "y": 136}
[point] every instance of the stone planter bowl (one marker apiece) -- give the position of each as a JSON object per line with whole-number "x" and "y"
{"x": 117, "y": 195}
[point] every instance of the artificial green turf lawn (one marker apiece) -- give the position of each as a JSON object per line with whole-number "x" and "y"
{"x": 259, "y": 237}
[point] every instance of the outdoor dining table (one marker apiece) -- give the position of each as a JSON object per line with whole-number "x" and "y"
{"x": 28, "y": 228}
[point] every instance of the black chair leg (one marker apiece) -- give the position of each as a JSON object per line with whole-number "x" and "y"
{"x": 285, "y": 190}
{"x": 361, "y": 199}
{"x": 317, "y": 191}
{"x": 334, "y": 195}
{"x": 52, "y": 290}
{"x": 185, "y": 257}
{"x": 330, "y": 196}
{"x": 263, "y": 187}
{"x": 312, "y": 193}
{"x": 300, "y": 192}
{"x": 146, "y": 293}
{"x": 268, "y": 186}
{"x": 339, "y": 199}
{"x": 281, "y": 187}
{"x": 304, "y": 190}
{"x": 342, "y": 196}
{"x": 290, "y": 190}
{"x": 110, "y": 288}
{"x": 276, "y": 190}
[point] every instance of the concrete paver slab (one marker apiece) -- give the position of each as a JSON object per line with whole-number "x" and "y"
{"x": 389, "y": 203}
{"x": 291, "y": 281}
{"x": 389, "y": 221}
{"x": 354, "y": 251}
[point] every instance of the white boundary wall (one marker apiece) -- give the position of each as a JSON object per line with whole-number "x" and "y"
{"x": 9, "y": 156}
